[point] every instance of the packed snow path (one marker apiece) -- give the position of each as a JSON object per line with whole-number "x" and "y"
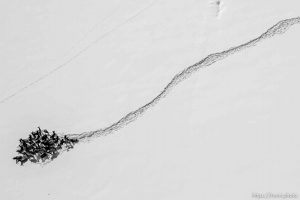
{"x": 278, "y": 28}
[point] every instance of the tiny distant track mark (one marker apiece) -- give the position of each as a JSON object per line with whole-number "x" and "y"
{"x": 215, "y": 8}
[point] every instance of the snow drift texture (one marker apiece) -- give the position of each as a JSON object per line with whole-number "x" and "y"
{"x": 226, "y": 132}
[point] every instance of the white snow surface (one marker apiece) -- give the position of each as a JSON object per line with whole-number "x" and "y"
{"x": 226, "y": 132}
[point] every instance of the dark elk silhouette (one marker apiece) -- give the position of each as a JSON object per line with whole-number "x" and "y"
{"x": 41, "y": 146}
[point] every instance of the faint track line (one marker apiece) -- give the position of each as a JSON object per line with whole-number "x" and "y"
{"x": 278, "y": 28}
{"x": 78, "y": 53}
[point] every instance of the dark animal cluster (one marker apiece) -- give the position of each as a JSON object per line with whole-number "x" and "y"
{"x": 41, "y": 146}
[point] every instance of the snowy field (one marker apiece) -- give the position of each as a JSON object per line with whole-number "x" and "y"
{"x": 229, "y": 131}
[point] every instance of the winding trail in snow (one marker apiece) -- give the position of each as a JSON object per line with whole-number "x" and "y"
{"x": 279, "y": 28}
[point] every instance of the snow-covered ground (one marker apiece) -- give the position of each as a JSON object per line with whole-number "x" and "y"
{"x": 228, "y": 131}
